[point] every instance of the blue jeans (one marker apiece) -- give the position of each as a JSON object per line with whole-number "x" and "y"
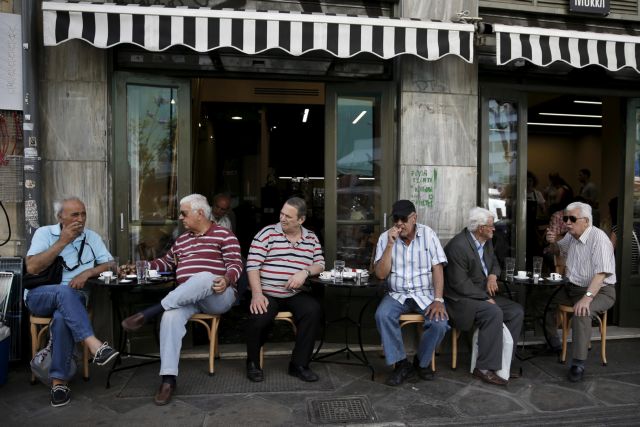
{"x": 387, "y": 319}
{"x": 191, "y": 297}
{"x": 70, "y": 323}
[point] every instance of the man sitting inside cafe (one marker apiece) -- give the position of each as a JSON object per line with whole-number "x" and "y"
{"x": 281, "y": 258}
{"x": 206, "y": 260}
{"x": 471, "y": 286}
{"x": 85, "y": 256}
{"x": 410, "y": 257}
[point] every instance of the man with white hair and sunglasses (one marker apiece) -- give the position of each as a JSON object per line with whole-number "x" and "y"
{"x": 591, "y": 272}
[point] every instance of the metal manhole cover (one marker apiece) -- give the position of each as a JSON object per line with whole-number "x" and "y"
{"x": 341, "y": 410}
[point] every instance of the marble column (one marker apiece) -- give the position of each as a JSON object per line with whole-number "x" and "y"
{"x": 74, "y": 143}
{"x": 438, "y": 128}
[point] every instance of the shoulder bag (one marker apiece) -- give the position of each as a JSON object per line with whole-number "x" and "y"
{"x": 51, "y": 275}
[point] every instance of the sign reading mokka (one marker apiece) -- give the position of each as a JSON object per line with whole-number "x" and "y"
{"x": 598, "y": 7}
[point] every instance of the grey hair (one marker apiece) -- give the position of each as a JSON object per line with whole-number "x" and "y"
{"x": 585, "y": 210}
{"x": 58, "y": 205}
{"x": 299, "y": 204}
{"x": 479, "y": 216}
{"x": 198, "y": 201}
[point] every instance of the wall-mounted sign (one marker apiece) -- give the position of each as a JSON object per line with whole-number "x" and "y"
{"x": 10, "y": 62}
{"x": 422, "y": 186}
{"x": 597, "y": 7}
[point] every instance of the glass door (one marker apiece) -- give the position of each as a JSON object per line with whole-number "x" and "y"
{"x": 359, "y": 165}
{"x": 627, "y": 238}
{"x": 503, "y": 163}
{"x": 152, "y": 162}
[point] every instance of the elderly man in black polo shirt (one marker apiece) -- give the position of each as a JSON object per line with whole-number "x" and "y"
{"x": 591, "y": 269}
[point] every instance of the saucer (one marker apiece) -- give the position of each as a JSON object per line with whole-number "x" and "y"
{"x": 550, "y": 279}
{"x": 131, "y": 276}
{"x": 125, "y": 281}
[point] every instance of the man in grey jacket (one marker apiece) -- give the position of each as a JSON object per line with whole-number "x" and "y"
{"x": 470, "y": 292}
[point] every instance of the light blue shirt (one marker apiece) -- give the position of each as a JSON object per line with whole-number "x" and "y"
{"x": 480, "y": 249}
{"x": 95, "y": 252}
{"x": 411, "y": 266}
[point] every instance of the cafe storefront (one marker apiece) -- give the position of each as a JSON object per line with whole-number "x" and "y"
{"x": 351, "y": 104}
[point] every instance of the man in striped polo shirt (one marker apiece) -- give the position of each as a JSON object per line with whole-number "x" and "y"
{"x": 281, "y": 258}
{"x": 591, "y": 271}
{"x": 207, "y": 263}
{"x": 409, "y": 255}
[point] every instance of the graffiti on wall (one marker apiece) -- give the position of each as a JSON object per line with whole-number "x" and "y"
{"x": 422, "y": 185}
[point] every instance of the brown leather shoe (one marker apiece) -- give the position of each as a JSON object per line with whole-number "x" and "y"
{"x": 163, "y": 396}
{"x": 133, "y": 322}
{"x": 490, "y": 377}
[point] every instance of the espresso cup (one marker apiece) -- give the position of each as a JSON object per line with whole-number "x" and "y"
{"x": 106, "y": 274}
{"x": 521, "y": 274}
{"x": 555, "y": 276}
{"x": 153, "y": 273}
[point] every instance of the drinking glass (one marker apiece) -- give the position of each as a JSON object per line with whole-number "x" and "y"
{"x": 509, "y": 267}
{"x": 142, "y": 268}
{"x": 537, "y": 266}
{"x": 338, "y": 267}
{"x": 113, "y": 267}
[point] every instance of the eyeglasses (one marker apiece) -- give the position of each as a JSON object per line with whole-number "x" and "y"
{"x": 80, "y": 260}
{"x": 572, "y": 218}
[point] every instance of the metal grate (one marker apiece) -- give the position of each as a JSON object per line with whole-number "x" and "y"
{"x": 11, "y": 177}
{"x": 342, "y": 410}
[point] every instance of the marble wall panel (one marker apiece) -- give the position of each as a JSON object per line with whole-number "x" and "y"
{"x": 438, "y": 129}
{"x": 447, "y": 75}
{"x": 454, "y": 192}
{"x": 437, "y": 9}
{"x": 86, "y": 180}
{"x": 74, "y": 60}
{"x": 73, "y": 119}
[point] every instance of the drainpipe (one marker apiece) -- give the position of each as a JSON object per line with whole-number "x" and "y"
{"x": 32, "y": 160}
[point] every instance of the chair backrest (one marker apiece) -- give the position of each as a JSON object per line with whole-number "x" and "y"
{"x": 6, "y": 280}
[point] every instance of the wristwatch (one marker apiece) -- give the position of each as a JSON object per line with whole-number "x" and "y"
{"x": 439, "y": 300}
{"x": 308, "y": 272}
{"x": 589, "y": 294}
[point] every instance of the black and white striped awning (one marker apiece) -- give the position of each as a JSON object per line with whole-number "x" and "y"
{"x": 157, "y": 28}
{"x": 543, "y": 46}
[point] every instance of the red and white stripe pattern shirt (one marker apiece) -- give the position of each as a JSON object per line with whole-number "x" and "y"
{"x": 278, "y": 259}
{"x": 216, "y": 251}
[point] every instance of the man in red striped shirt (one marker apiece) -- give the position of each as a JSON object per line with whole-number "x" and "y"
{"x": 281, "y": 258}
{"x": 207, "y": 262}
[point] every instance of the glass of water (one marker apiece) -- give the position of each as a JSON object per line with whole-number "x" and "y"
{"x": 338, "y": 268}
{"x": 142, "y": 267}
{"x": 537, "y": 266}
{"x": 509, "y": 267}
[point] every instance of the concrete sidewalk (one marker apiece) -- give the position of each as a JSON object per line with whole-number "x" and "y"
{"x": 608, "y": 396}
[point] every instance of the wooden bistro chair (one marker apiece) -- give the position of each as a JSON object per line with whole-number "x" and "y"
{"x": 211, "y": 323}
{"x": 564, "y": 313}
{"x": 284, "y": 316}
{"x": 418, "y": 320}
{"x": 38, "y": 328}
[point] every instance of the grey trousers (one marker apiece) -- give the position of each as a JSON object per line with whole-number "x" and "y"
{"x": 581, "y": 325}
{"x": 489, "y": 319}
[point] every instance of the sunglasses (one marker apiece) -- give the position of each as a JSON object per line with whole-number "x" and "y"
{"x": 401, "y": 218}
{"x": 571, "y": 218}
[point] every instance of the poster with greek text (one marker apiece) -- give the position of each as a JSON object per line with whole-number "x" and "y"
{"x": 10, "y": 62}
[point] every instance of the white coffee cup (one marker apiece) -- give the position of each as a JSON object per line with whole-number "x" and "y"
{"x": 153, "y": 273}
{"x": 556, "y": 276}
{"x": 325, "y": 275}
{"x": 521, "y": 274}
{"x": 105, "y": 274}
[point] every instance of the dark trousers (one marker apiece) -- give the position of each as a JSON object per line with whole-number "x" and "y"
{"x": 489, "y": 319}
{"x": 307, "y": 315}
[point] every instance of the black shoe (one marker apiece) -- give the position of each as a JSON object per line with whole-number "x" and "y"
{"x": 425, "y": 374}
{"x": 302, "y": 372}
{"x": 60, "y": 395}
{"x": 254, "y": 373}
{"x": 104, "y": 355}
{"x": 401, "y": 372}
{"x": 576, "y": 373}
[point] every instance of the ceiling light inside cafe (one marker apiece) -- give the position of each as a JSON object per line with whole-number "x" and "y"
{"x": 361, "y": 115}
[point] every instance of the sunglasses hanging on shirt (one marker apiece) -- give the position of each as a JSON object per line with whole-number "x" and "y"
{"x": 64, "y": 264}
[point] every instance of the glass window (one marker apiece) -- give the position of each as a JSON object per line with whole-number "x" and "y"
{"x": 502, "y": 173}
{"x": 358, "y": 167}
{"x": 152, "y": 116}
